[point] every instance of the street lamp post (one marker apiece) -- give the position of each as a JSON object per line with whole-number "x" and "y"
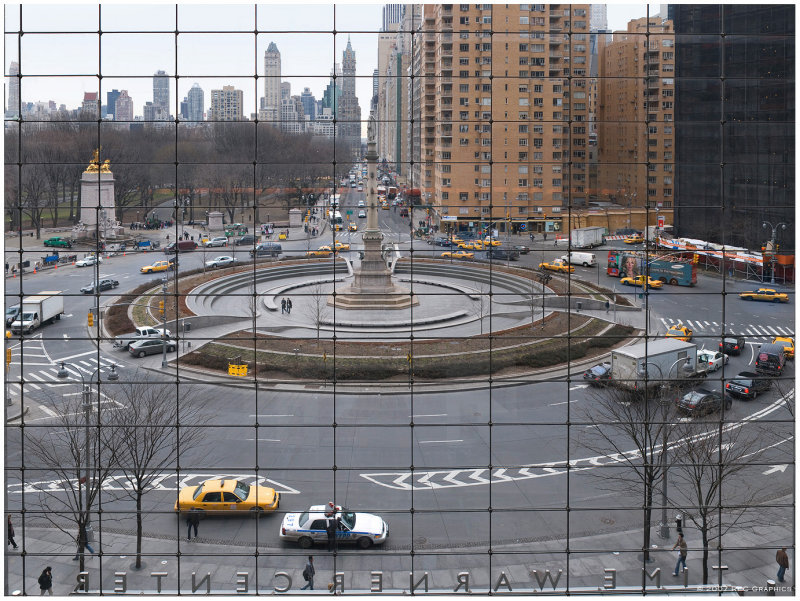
{"x": 663, "y": 526}
{"x": 87, "y": 406}
{"x": 164, "y": 320}
{"x": 767, "y": 225}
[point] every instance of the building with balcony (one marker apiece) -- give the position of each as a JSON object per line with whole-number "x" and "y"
{"x": 636, "y": 115}
{"x": 504, "y": 115}
{"x": 226, "y": 105}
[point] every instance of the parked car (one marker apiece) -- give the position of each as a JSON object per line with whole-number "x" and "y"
{"x": 748, "y": 385}
{"x": 598, "y": 375}
{"x": 732, "y": 345}
{"x": 308, "y": 527}
{"x": 223, "y": 261}
{"x": 227, "y": 497}
{"x": 58, "y": 241}
{"x": 217, "y": 241}
{"x": 703, "y": 402}
{"x": 88, "y": 261}
{"x": 151, "y": 346}
{"x": 11, "y": 314}
{"x": 104, "y": 284}
{"x": 245, "y": 240}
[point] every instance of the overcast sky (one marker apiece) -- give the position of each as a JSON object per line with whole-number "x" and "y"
{"x": 61, "y": 52}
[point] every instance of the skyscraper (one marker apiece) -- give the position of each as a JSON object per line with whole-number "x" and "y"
{"x": 111, "y": 102}
{"x": 161, "y": 92}
{"x": 123, "y": 107}
{"x": 272, "y": 84}
{"x": 392, "y": 15}
{"x": 195, "y": 103}
{"x": 349, "y": 116}
{"x": 12, "y": 110}
{"x": 309, "y": 104}
{"x": 730, "y": 179}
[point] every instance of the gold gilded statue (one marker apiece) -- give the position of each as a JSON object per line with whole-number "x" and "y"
{"x": 94, "y": 164}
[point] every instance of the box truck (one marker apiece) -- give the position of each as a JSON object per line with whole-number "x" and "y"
{"x": 587, "y": 237}
{"x": 37, "y": 310}
{"x": 663, "y": 361}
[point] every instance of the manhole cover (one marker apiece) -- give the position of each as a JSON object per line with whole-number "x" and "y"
{"x": 420, "y": 541}
{"x": 608, "y": 521}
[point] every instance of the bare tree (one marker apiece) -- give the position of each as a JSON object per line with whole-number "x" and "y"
{"x": 317, "y": 306}
{"x": 69, "y": 449}
{"x": 150, "y": 431}
{"x": 635, "y": 429}
{"x": 483, "y": 305}
{"x": 711, "y": 460}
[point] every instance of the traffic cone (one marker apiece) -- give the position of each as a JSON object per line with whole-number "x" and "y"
{"x": 34, "y": 270}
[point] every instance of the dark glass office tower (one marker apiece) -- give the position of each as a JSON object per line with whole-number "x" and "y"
{"x": 734, "y": 112}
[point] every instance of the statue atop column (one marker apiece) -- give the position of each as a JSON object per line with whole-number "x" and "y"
{"x": 371, "y": 127}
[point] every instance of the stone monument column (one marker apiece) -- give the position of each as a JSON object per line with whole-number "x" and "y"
{"x": 372, "y": 286}
{"x": 97, "y": 200}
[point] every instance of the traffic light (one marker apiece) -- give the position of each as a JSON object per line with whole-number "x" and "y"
{"x": 90, "y": 319}
{"x": 161, "y": 307}
{"x": 695, "y": 258}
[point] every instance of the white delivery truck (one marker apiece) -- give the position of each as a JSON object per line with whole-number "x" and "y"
{"x": 37, "y": 310}
{"x": 663, "y": 361}
{"x": 587, "y": 237}
{"x": 580, "y": 258}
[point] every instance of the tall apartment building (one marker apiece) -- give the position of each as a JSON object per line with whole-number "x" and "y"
{"x": 195, "y": 103}
{"x": 270, "y": 110}
{"x": 161, "y": 91}
{"x": 504, "y": 115}
{"x": 635, "y": 118}
{"x": 392, "y": 15}
{"x": 123, "y": 107}
{"x": 90, "y": 107}
{"x": 226, "y": 105}
{"x": 732, "y": 179}
{"x": 386, "y": 48}
{"x": 309, "y": 104}
{"x": 12, "y": 108}
{"x": 111, "y": 102}
{"x": 349, "y": 111}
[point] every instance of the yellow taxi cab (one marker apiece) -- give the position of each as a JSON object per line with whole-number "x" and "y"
{"x": 639, "y": 280}
{"x": 680, "y": 333}
{"x": 385, "y": 205}
{"x": 337, "y": 227}
{"x": 558, "y": 265}
{"x": 281, "y": 236}
{"x": 157, "y": 266}
{"x": 787, "y": 344}
{"x": 765, "y": 294}
{"x": 635, "y": 239}
{"x": 322, "y": 251}
{"x": 340, "y": 246}
{"x": 352, "y": 227}
{"x": 459, "y": 254}
{"x": 227, "y": 497}
{"x": 490, "y": 242}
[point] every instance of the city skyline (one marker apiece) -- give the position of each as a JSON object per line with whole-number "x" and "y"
{"x": 306, "y": 63}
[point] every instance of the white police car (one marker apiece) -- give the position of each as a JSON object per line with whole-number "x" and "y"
{"x": 307, "y": 528}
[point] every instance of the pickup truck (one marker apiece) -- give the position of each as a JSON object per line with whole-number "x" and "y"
{"x": 123, "y": 341}
{"x": 748, "y": 385}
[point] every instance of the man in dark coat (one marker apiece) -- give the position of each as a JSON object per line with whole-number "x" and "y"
{"x": 192, "y": 520}
{"x": 783, "y": 563}
{"x": 10, "y": 533}
{"x": 331, "y": 526}
{"x": 46, "y": 581}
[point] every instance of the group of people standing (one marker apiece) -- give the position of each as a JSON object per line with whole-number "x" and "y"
{"x": 286, "y": 306}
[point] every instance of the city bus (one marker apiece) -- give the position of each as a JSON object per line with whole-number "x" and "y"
{"x": 676, "y": 269}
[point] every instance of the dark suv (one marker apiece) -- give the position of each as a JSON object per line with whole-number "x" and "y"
{"x": 732, "y": 345}
{"x": 770, "y": 359}
{"x": 748, "y": 385}
{"x": 247, "y": 239}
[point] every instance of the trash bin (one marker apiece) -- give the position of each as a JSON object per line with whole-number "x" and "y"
{"x": 187, "y": 327}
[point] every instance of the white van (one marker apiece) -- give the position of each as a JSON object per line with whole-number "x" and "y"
{"x": 579, "y": 258}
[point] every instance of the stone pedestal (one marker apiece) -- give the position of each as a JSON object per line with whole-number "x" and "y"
{"x": 295, "y": 218}
{"x": 215, "y": 221}
{"x": 97, "y": 206}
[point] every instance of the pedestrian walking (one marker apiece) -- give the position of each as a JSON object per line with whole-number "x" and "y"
{"x": 331, "y": 526}
{"x": 289, "y": 306}
{"x": 531, "y": 236}
{"x": 544, "y": 234}
{"x": 46, "y": 581}
{"x": 11, "y": 540}
{"x": 283, "y": 306}
{"x": 192, "y": 521}
{"x": 308, "y": 574}
{"x": 683, "y": 550}
{"x": 783, "y": 563}
{"x": 167, "y": 237}
{"x": 82, "y": 540}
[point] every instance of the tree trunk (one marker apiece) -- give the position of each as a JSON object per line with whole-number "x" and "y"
{"x": 648, "y": 515}
{"x": 704, "y": 533}
{"x": 138, "y": 529}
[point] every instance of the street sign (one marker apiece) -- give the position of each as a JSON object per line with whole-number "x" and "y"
{"x": 660, "y": 222}
{"x": 349, "y": 212}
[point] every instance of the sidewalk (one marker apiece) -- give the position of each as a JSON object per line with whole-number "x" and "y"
{"x": 591, "y": 564}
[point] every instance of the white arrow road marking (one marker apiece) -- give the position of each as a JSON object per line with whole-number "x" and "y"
{"x": 398, "y": 480}
{"x": 775, "y": 468}
{"x": 578, "y": 386}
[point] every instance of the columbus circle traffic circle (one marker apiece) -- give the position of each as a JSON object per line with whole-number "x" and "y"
{"x": 464, "y": 319}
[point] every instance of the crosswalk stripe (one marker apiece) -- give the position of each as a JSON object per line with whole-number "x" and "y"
{"x": 32, "y": 385}
{"x": 36, "y": 377}
{"x": 771, "y": 330}
{"x": 708, "y": 324}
